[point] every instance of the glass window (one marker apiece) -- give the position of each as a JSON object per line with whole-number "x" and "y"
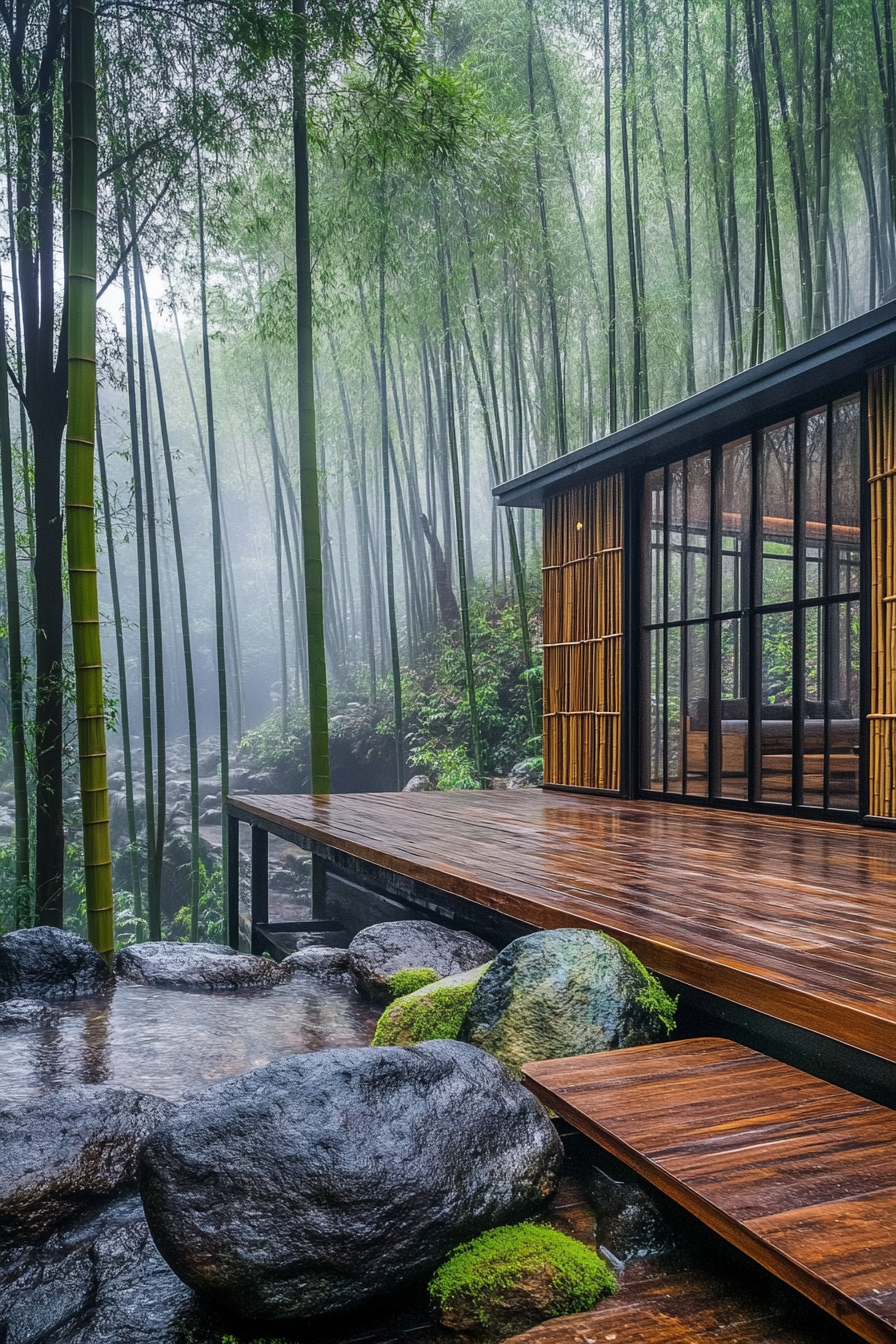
{"x": 750, "y": 606}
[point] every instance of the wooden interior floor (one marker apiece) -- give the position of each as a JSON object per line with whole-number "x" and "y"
{"x": 792, "y": 918}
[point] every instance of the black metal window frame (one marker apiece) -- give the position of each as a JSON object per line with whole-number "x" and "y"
{"x": 751, "y": 614}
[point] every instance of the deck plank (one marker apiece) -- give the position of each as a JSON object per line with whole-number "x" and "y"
{"x": 799, "y": 1174}
{"x": 789, "y": 917}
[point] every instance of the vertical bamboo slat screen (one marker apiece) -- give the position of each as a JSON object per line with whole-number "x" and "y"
{"x": 882, "y": 472}
{"x": 583, "y": 636}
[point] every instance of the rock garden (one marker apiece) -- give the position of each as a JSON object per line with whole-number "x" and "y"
{"x": 207, "y": 1147}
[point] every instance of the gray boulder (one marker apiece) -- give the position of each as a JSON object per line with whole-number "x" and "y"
{"x": 196, "y": 966}
{"x": 27, "y": 1013}
{"x": 98, "y": 1281}
{"x": 45, "y": 963}
{"x": 418, "y": 784}
{"x": 403, "y": 945}
{"x": 565, "y": 992}
{"x": 324, "y": 1180}
{"x": 66, "y": 1149}
{"x": 330, "y": 964}
{"x": 528, "y": 774}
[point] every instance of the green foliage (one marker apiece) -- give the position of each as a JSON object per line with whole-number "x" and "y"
{"x": 405, "y": 982}
{"x": 478, "y": 1282}
{"x": 212, "y": 909}
{"x": 428, "y": 1014}
{"x": 652, "y": 997}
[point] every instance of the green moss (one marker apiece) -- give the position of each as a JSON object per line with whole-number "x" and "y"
{"x": 434, "y": 1012}
{"x": 405, "y": 982}
{"x": 652, "y": 997}
{"x": 482, "y": 1284}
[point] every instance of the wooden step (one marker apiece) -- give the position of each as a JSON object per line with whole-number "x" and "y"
{"x": 682, "y": 1309}
{"x": 797, "y": 1173}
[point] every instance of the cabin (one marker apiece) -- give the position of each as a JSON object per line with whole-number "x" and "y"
{"x": 720, "y": 793}
{"x": 719, "y": 582}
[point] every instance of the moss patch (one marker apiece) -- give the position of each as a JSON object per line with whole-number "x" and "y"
{"x": 405, "y": 982}
{"x": 435, "y": 1012}
{"x": 512, "y": 1277}
{"x": 652, "y": 997}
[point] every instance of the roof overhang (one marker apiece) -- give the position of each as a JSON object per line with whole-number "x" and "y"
{"x": 823, "y": 367}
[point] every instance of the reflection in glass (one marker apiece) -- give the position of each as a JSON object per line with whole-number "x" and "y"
{"x": 734, "y": 707}
{"x": 736, "y": 495}
{"x": 776, "y": 708}
{"x": 655, "y": 710}
{"x": 815, "y": 512}
{"x": 777, "y": 522}
{"x": 698, "y": 469}
{"x": 845, "y": 496}
{"x": 698, "y": 709}
{"x": 674, "y": 722}
{"x": 676, "y": 507}
{"x": 653, "y": 560}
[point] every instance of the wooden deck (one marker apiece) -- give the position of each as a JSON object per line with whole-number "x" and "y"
{"x": 797, "y": 1173}
{"x": 795, "y": 919}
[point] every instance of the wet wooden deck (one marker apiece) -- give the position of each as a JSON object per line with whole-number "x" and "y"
{"x": 792, "y": 918}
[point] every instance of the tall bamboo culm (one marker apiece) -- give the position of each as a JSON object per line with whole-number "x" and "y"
{"x": 583, "y": 636}
{"x": 882, "y": 471}
{"x": 79, "y": 503}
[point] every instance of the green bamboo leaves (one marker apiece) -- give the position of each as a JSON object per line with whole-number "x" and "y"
{"x": 79, "y": 505}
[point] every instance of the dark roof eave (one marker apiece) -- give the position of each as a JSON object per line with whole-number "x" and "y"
{"x": 726, "y": 407}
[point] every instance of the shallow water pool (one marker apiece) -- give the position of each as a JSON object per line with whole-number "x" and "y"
{"x": 172, "y": 1043}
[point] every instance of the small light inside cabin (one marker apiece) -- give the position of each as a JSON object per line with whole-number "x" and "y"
{"x": 579, "y": 526}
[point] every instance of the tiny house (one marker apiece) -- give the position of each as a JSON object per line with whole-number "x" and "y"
{"x": 720, "y": 591}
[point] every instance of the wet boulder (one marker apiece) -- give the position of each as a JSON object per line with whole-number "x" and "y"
{"x": 330, "y": 964}
{"x": 565, "y": 992}
{"x": 45, "y": 963}
{"x": 196, "y": 966}
{"x": 433, "y": 1012}
{"x": 403, "y": 945}
{"x": 528, "y": 774}
{"x": 62, "y": 1151}
{"x": 27, "y": 1013}
{"x": 324, "y": 1180}
{"x": 97, "y": 1281}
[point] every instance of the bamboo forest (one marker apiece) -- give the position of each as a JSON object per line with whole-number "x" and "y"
{"x": 356, "y": 263}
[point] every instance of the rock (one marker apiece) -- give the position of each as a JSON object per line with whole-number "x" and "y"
{"x": 382, "y": 949}
{"x": 209, "y": 763}
{"x": 196, "y": 966}
{"x": 528, "y": 774}
{"x": 418, "y": 784}
{"x": 45, "y": 963}
{"x": 101, "y": 1281}
{"x": 324, "y": 1180}
{"x": 627, "y": 1220}
{"x": 433, "y": 1012}
{"x": 510, "y": 1278}
{"x": 26, "y": 1013}
{"x": 212, "y": 818}
{"x": 565, "y": 992}
{"x": 330, "y": 964}
{"x": 66, "y": 1149}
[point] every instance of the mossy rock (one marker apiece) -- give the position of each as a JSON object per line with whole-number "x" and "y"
{"x": 562, "y": 992}
{"x": 405, "y": 982}
{"x": 510, "y": 1278}
{"x": 434, "y": 1012}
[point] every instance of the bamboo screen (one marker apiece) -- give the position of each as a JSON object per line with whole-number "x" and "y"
{"x": 882, "y": 472}
{"x": 583, "y": 636}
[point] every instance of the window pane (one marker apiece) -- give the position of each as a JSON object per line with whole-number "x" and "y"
{"x": 732, "y": 635}
{"x": 843, "y": 684}
{"x": 699, "y": 470}
{"x": 776, "y": 726}
{"x": 815, "y": 450}
{"x": 675, "y": 504}
{"x": 654, "y": 711}
{"x": 652, "y": 545}
{"x": 813, "y": 721}
{"x": 735, "y": 542}
{"x": 674, "y": 720}
{"x": 698, "y": 708}
{"x": 777, "y": 506}
{"x": 845, "y": 496}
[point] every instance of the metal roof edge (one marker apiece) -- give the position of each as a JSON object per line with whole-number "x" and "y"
{"x": 855, "y": 342}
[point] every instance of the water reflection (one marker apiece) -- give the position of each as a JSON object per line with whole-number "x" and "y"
{"x": 172, "y": 1044}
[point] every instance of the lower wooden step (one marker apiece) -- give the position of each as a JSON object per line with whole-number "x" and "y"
{"x": 797, "y": 1173}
